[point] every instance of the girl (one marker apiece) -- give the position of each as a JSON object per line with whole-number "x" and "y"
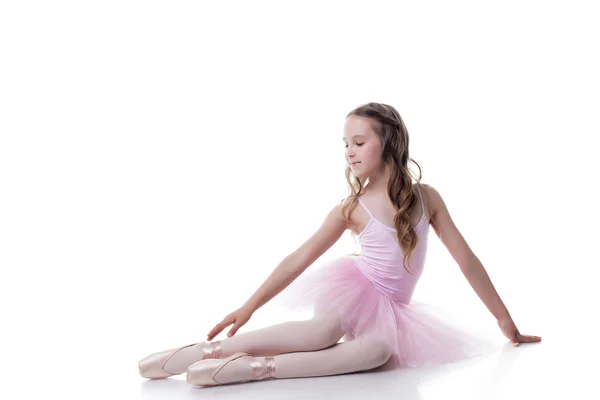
{"x": 363, "y": 299}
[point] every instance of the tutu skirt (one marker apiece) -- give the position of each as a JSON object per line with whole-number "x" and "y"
{"x": 418, "y": 333}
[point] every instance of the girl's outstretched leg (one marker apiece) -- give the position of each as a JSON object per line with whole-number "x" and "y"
{"x": 315, "y": 334}
{"x": 360, "y": 354}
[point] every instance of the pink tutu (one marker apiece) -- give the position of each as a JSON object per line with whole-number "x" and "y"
{"x": 417, "y": 332}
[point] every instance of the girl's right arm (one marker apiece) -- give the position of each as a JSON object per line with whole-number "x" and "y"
{"x": 295, "y": 263}
{"x": 287, "y": 271}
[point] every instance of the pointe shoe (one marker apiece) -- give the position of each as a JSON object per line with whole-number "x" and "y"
{"x": 202, "y": 373}
{"x": 152, "y": 367}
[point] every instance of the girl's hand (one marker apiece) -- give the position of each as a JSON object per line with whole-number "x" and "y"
{"x": 509, "y": 329}
{"x": 238, "y": 317}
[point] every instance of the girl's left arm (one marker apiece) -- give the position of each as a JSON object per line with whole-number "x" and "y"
{"x": 471, "y": 267}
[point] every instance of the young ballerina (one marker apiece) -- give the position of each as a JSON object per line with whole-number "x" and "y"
{"x": 363, "y": 299}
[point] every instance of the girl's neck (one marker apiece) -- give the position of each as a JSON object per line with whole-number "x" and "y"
{"x": 379, "y": 183}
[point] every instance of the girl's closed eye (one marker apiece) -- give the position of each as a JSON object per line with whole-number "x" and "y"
{"x": 358, "y": 144}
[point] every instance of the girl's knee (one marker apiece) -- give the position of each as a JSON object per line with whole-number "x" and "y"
{"x": 329, "y": 327}
{"x": 377, "y": 352}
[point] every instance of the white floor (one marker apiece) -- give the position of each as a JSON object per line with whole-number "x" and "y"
{"x": 561, "y": 365}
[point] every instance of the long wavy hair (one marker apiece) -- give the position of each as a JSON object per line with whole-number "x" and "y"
{"x": 389, "y": 126}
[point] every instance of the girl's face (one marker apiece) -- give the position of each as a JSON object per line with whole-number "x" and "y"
{"x": 363, "y": 147}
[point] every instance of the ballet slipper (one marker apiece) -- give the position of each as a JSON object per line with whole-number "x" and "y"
{"x": 153, "y": 366}
{"x": 202, "y": 373}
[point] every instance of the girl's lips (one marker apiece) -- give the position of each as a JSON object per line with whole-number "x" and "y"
{"x": 354, "y": 163}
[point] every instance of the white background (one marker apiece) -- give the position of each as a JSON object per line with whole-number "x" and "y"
{"x": 159, "y": 159}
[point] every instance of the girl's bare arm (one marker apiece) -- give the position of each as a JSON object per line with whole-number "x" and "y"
{"x": 295, "y": 263}
{"x": 460, "y": 251}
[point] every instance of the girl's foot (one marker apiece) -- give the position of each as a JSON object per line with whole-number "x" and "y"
{"x": 185, "y": 357}
{"x": 175, "y": 361}
{"x": 240, "y": 370}
{"x": 239, "y": 367}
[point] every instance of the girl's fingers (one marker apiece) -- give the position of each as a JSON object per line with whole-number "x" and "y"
{"x": 215, "y": 331}
{"x": 218, "y": 328}
{"x": 527, "y": 339}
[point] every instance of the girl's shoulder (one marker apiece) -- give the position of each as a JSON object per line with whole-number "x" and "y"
{"x": 342, "y": 209}
{"x": 433, "y": 200}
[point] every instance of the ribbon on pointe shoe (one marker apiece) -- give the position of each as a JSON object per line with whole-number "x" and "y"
{"x": 266, "y": 372}
{"x": 213, "y": 350}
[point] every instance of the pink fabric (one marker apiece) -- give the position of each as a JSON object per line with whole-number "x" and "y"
{"x": 372, "y": 294}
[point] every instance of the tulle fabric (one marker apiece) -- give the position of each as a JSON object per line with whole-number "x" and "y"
{"x": 418, "y": 333}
